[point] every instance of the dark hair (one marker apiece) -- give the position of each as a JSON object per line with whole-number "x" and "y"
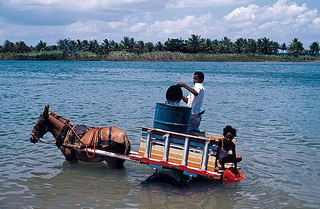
{"x": 200, "y": 75}
{"x": 229, "y": 129}
{"x": 174, "y": 93}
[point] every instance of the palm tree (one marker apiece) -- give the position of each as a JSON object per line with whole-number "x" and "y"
{"x": 175, "y": 45}
{"x": 139, "y": 47}
{"x": 215, "y": 44}
{"x": 274, "y": 47}
{"x": 296, "y": 47}
{"x": 264, "y": 46}
{"x": 208, "y": 47}
{"x": 149, "y": 47}
{"x": 240, "y": 45}
{"x": 21, "y": 47}
{"x": 114, "y": 46}
{"x": 159, "y": 47}
{"x": 41, "y": 46}
{"x": 67, "y": 46}
{"x": 283, "y": 47}
{"x": 105, "y": 46}
{"x": 127, "y": 44}
{"x": 85, "y": 45}
{"x": 314, "y": 48}
{"x": 225, "y": 46}
{"x": 78, "y": 45}
{"x": 251, "y": 46}
{"x": 9, "y": 46}
{"x": 94, "y": 46}
{"x": 195, "y": 44}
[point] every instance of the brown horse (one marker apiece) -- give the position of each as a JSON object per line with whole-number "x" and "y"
{"x": 111, "y": 139}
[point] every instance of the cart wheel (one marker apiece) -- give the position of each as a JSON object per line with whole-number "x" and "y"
{"x": 165, "y": 177}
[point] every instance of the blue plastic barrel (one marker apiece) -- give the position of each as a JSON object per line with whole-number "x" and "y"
{"x": 172, "y": 118}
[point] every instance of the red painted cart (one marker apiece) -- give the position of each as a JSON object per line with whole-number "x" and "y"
{"x": 189, "y": 155}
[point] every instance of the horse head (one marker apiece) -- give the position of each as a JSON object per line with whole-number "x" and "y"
{"x": 41, "y": 126}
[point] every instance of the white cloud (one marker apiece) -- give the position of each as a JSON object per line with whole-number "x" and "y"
{"x": 203, "y": 3}
{"x": 70, "y": 4}
{"x": 189, "y": 24}
{"x": 243, "y": 14}
{"x": 115, "y": 25}
{"x": 316, "y": 24}
{"x": 64, "y": 12}
{"x": 281, "y": 19}
{"x": 89, "y": 27}
{"x": 283, "y": 9}
{"x": 94, "y": 29}
{"x": 137, "y": 27}
{"x": 155, "y": 20}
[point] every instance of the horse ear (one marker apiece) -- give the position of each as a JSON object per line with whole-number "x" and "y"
{"x": 46, "y": 111}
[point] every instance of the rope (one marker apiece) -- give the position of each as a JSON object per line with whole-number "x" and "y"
{"x": 93, "y": 140}
{"x": 51, "y": 140}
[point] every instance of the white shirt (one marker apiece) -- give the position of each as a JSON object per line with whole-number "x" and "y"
{"x": 195, "y": 102}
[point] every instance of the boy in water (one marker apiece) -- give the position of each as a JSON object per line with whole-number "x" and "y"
{"x": 195, "y": 100}
{"x": 226, "y": 144}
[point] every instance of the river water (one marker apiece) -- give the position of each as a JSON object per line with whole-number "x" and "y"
{"x": 274, "y": 106}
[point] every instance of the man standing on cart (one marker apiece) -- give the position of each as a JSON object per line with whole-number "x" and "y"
{"x": 195, "y": 100}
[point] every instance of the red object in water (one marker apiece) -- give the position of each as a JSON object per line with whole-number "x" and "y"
{"x": 228, "y": 175}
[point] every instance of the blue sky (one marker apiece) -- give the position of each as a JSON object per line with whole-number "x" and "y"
{"x": 158, "y": 20}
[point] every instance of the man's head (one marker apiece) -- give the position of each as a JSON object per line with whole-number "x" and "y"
{"x": 198, "y": 77}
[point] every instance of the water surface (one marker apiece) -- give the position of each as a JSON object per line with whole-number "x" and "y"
{"x": 274, "y": 106}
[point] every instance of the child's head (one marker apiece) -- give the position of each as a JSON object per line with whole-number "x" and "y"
{"x": 228, "y": 132}
{"x": 174, "y": 93}
{"x": 198, "y": 77}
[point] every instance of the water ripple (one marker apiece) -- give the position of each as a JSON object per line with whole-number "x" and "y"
{"x": 274, "y": 106}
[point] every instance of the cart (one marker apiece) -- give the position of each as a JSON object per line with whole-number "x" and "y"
{"x": 175, "y": 155}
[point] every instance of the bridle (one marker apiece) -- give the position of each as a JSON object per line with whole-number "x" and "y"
{"x": 59, "y": 134}
{"x": 45, "y": 131}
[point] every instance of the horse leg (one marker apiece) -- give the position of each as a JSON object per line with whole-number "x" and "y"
{"x": 69, "y": 154}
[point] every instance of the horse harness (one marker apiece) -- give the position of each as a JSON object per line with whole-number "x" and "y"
{"x": 78, "y": 131}
{"x": 75, "y": 134}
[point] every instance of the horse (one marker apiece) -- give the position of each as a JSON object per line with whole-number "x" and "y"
{"x": 70, "y": 141}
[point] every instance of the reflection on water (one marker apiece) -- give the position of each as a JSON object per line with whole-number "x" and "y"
{"x": 274, "y": 106}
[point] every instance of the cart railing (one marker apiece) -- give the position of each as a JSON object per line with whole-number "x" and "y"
{"x": 194, "y": 155}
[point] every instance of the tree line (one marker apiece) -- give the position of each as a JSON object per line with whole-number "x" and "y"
{"x": 194, "y": 44}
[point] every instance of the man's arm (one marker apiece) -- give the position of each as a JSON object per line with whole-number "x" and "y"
{"x": 185, "y": 99}
{"x": 192, "y": 90}
{"x": 216, "y": 141}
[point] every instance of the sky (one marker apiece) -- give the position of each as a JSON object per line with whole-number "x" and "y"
{"x": 157, "y": 20}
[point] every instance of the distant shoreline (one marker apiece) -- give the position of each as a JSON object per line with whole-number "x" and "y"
{"x": 156, "y": 57}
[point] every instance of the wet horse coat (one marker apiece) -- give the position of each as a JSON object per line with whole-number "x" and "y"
{"x": 111, "y": 139}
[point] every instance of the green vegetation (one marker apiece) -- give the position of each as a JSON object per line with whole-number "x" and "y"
{"x": 193, "y": 49}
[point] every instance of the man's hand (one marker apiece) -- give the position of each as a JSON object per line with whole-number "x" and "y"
{"x": 181, "y": 84}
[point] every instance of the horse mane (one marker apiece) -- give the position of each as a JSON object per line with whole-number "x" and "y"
{"x": 60, "y": 118}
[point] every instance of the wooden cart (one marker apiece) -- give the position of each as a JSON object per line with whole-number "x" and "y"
{"x": 189, "y": 155}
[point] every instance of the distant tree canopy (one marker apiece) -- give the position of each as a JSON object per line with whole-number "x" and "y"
{"x": 194, "y": 44}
